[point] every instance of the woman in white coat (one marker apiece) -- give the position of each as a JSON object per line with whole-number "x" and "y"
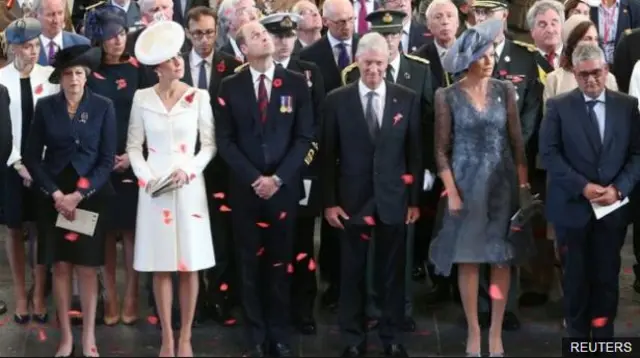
{"x": 26, "y": 82}
{"x": 172, "y": 230}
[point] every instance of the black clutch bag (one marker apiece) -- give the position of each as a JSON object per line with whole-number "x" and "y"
{"x": 523, "y": 216}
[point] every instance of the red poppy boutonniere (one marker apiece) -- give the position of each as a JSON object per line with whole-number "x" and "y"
{"x": 221, "y": 102}
{"x": 502, "y": 73}
{"x": 277, "y": 83}
{"x": 98, "y": 76}
{"x": 38, "y": 89}
{"x": 134, "y": 62}
{"x": 121, "y": 83}
{"x": 397, "y": 118}
{"x": 221, "y": 67}
{"x": 427, "y": 34}
{"x": 189, "y": 98}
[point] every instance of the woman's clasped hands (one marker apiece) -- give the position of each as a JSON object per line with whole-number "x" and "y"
{"x": 67, "y": 204}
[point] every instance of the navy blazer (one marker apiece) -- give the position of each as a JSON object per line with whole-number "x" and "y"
{"x": 571, "y": 153}
{"x": 628, "y": 17}
{"x": 68, "y": 39}
{"x": 88, "y": 141}
{"x": 278, "y": 146}
{"x": 365, "y": 176}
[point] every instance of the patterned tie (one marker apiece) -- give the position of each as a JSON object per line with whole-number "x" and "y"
{"x": 202, "y": 77}
{"x": 363, "y": 26}
{"x": 551, "y": 58}
{"x": 53, "y": 48}
{"x": 371, "y": 115}
{"x": 343, "y": 56}
{"x": 263, "y": 99}
{"x": 594, "y": 118}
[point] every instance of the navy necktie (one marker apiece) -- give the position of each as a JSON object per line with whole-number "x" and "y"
{"x": 343, "y": 56}
{"x": 594, "y": 118}
{"x": 202, "y": 77}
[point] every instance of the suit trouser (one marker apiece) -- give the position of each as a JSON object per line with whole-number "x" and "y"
{"x": 590, "y": 258}
{"x": 264, "y": 256}
{"x": 329, "y": 254}
{"x": 373, "y": 300}
{"x": 484, "y": 299}
{"x": 304, "y": 286}
{"x": 389, "y": 282}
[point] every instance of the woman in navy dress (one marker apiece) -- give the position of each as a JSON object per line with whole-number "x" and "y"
{"x": 27, "y": 82}
{"x": 76, "y": 131}
{"x": 118, "y": 77}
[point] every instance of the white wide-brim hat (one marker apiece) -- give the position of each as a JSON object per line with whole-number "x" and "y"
{"x": 159, "y": 42}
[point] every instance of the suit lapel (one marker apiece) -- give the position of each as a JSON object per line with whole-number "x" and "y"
{"x": 436, "y": 65}
{"x": 404, "y": 73}
{"x": 584, "y": 121}
{"x": 388, "y": 113}
{"x": 250, "y": 92}
{"x": 623, "y": 19}
{"x": 188, "y": 79}
{"x": 358, "y": 110}
{"x": 503, "y": 65}
{"x": 276, "y": 95}
{"x": 610, "y": 114}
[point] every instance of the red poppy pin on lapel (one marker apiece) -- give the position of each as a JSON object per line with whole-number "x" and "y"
{"x": 277, "y": 83}
{"x": 98, "y": 76}
{"x": 134, "y": 62}
{"x": 221, "y": 102}
{"x": 397, "y": 118}
{"x": 189, "y": 99}
{"x": 121, "y": 83}
{"x": 221, "y": 67}
{"x": 38, "y": 89}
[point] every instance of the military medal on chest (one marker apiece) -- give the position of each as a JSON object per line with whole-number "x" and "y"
{"x": 285, "y": 104}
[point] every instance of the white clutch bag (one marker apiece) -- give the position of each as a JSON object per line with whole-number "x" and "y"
{"x": 84, "y": 222}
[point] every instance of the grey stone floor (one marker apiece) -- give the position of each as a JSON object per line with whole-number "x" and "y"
{"x": 440, "y": 331}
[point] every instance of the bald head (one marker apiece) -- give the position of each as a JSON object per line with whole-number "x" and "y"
{"x": 339, "y": 17}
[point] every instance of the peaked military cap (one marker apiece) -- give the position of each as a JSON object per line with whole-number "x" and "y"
{"x": 386, "y": 21}
{"x": 281, "y": 23}
{"x": 491, "y": 4}
{"x": 22, "y": 30}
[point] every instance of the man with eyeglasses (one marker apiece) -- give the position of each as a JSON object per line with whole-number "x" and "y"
{"x": 597, "y": 167}
{"x": 205, "y": 68}
{"x": 514, "y": 62}
{"x": 236, "y": 13}
{"x": 309, "y": 28}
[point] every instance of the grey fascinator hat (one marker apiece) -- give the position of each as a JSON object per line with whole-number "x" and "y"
{"x": 471, "y": 46}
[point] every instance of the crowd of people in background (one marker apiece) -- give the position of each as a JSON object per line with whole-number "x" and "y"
{"x": 213, "y": 140}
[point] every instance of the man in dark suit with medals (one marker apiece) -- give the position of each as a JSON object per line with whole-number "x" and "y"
{"x": 265, "y": 144}
{"x": 414, "y": 73}
{"x": 413, "y": 33}
{"x": 515, "y": 62}
{"x": 372, "y": 166}
{"x": 332, "y": 53}
{"x": 205, "y": 68}
{"x": 304, "y": 287}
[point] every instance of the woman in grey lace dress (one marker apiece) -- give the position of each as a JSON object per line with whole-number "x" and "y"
{"x": 481, "y": 161}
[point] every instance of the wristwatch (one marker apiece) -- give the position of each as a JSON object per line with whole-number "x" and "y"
{"x": 277, "y": 180}
{"x": 18, "y": 165}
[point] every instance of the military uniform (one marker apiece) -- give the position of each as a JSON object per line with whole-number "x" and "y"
{"x": 304, "y": 286}
{"x": 414, "y": 73}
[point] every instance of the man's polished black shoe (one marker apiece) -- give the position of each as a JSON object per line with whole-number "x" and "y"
{"x": 307, "y": 326}
{"x": 256, "y": 351}
{"x": 3, "y": 307}
{"x": 354, "y": 351}
{"x": 281, "y": 350}
{"x": 395, "y": 350}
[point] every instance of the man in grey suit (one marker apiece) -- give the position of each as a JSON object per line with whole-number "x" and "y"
{"x": 51, "y": 14}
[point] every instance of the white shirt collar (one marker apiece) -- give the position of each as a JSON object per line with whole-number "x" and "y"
{"x": 600, "y": 99}
{"x": 124, "y": 7}
{"x": 499, "y": 48}
{"x": 335, "y": 42}
{"x": 195, "y": 59}
{"x": 558, "y": 52}
{"x": 395, "y": 64}
{"x": 441, "y": 50}
{"x": 56, "y": 40}
{"x": 380, "y": 91}
{"x": 285, "y": 62}
{"x": 255, "y": 75}
{"x": 406, "y": 29}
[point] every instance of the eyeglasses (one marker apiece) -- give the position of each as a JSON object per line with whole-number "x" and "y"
{"x": 344, "y": 22}
{"x": 584, "y": 75}
{"x": 198, "y": 35}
